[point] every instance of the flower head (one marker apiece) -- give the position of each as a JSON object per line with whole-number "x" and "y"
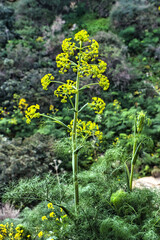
{"x": 50, "y": 205}
{"x": 40, "y": 234}
{"x": 82, "y": 36}
{"x": 86, "y": 129}
{"x": 68, "y": 46}
{"x": 31, "y": 113}
{"x": 46, "y": 80}
{"x": 98, "y": 105}
{"x": 44, "y": 218}
{"x": 65, "y": 90}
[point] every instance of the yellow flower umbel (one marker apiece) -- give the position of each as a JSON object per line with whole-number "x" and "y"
{"x": 44, "y": 218}
{"x": 23, "y": 104}
{"x": 86, "y": 129}
{"x": 98, "y": 105}
{"x": 65, "y": 90}
{"x": 40, "y": 234}
{"x": 30, "y": 113}
{"x": 46, "y": 80}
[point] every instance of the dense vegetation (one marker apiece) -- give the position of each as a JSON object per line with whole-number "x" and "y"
{"x": 35, "y": 158}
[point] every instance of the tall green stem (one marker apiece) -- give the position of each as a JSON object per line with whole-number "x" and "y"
{"x": 133, "y": 155}
{"x": 74, "y": 139}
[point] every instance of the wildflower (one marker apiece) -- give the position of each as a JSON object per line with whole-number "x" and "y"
{"x": 40, "y": 234}
{"x": 46, "y": 80}
{"x": 82, "y": 36}
{"x": 53, "y": 109}
{"x": 22, "y": 104}
{"x": 159, "y": 8}
{"x": 50, "y": 205}
{"x": 44, "y": 218}
{"x": 64, "y": 90}
{"x": 98, "y": 105}
{"x": 116, "y": 104}
{"x": 31, "y": 113}
{"x": 63, "y": 62}
{"x": 103, "y": 82}
{"x": 86, "y": 129}
{"x": 68, "y": 46}
{"x": 52, "y": 214}
{"x": 39, "y": 39}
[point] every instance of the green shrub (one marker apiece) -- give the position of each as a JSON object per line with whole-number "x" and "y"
{"x": 139, "y": 14}
{"x": 116, "y": 228}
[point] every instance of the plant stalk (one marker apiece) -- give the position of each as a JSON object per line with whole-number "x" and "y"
{"x": 74, "y": 139}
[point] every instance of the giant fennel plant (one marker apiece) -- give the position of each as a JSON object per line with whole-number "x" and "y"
{"x": 81, "y": 55}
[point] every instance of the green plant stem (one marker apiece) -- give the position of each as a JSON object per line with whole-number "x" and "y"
{"x": 133, "y": 155}
{"x": 74, "y": 140}
{"x": 131, "y": 177}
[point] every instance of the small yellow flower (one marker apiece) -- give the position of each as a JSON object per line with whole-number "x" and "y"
{"x": 159, "y": 8}
{"x": 40, "y": 234}
{"x": 44, "y": 218}
{"x": 31, "y": 113}
{"x": 50, "y": 205}
{"x": 52, "y": 214}
{"x": 39, "y": 39}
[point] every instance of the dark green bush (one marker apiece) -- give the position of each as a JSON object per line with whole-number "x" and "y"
{"x": 139, "y": 14}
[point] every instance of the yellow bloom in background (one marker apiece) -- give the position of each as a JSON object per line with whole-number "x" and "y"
{"x": 39, "y": 39}
{"x": 52, "y": 214}
{"x": 50, "y": 205}
{"x": 22, "y": 103}
{"x": 44, "y": 218}
{"x": 159, "y": 8}
{"x": 31, "y": 113}
{"x": 40, "y": 234}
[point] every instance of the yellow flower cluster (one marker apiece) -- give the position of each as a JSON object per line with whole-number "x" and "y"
{"x": 53, "y": 109}
{"x": 98, "y": 105}
{"x": 91, "y": 51}
{"x": 50, "y": 206}
{"x": 19, "y": 233}
{"x": 31, "y": 113}
{"x": 116, "y": 104}
{"x": 66, "y": 89}
{"x": 52, "y": 214}
{"x": 44, "y": 218}
{"x": 115, "y": 141}
{"x": 68, "y": 46}
{"x": 63, "y": 62}
{"x": 86, "y": 129}
{"x": 46, "y": 80}
{"x": 22, "y": 104}
{"x": 103, "y": 82}
{"x": 7, "y": 231}
{"x": 86, "y": 54}
{"x": 82, "y": 36}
